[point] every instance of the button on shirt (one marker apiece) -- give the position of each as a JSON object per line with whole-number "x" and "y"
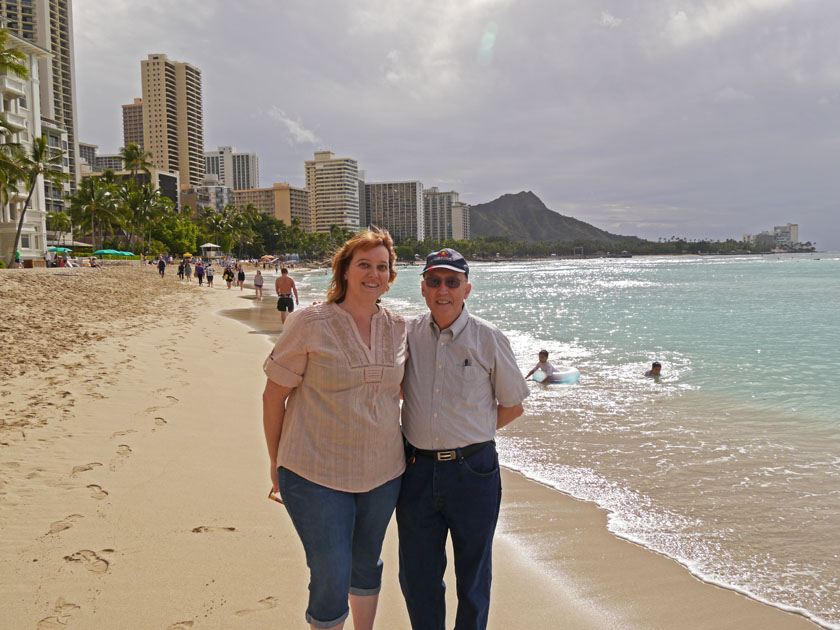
{"x": 454, "y": 379}
{"x": 341, "y": 429}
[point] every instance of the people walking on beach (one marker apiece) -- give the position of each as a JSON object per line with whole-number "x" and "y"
{"x": 161, "y": 265}
{"x": 461, "y": 384}
{"x": 188, "y": 270}
{"x": 199, "y": 272}
{"x": 331, "y": 421}
{"x": 284, "y": 286}
{"x": 227, "y": 274}
{"x": 181, "y": 270}
{"x": 210, "y": 272}
{"x": 258, "y": 283}
{"x": 240, "y": 278}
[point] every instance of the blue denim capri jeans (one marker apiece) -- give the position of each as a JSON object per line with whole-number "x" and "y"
{"x": 342, "y": 534}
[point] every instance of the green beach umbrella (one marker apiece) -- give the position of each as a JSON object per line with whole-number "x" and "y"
{"x": 59, "y": 249}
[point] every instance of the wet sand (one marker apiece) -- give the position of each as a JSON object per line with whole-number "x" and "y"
{"x": 133, "y": 483}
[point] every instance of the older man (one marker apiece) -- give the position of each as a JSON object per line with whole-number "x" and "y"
{"x": 461, "y": 384}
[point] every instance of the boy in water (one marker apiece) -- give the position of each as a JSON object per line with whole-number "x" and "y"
{"x": 543, "y": 365}
{"x": 654, "y": 370}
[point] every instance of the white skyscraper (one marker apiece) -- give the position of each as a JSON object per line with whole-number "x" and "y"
{"x": 333, "y": 185}
{"x": 237, "y": 171}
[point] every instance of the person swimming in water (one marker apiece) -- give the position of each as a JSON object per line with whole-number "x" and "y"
{"x": 543, "y": 365}
{"x": 655, "y": 370}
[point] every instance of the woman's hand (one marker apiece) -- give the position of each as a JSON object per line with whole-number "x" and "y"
{"x": 275, "y": 482}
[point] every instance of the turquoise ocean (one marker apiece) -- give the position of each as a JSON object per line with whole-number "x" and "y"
{"x": 730, "y": 463}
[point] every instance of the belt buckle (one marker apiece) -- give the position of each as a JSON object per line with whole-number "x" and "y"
{"x": 446, "y": 456}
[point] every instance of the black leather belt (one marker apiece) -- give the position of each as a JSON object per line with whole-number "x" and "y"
{"x": 453, "y": 454}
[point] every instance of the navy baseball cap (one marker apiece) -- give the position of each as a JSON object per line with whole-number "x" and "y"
{"x": 446, "y": 258}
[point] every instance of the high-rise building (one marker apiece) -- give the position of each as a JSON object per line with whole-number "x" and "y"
{"x": 49, "y": 24}
{"x": 281, "y": 201}
{"x": 333, "y": 185}
{"x": 445, "y": 216}
{"x": 238, "y": 171}
{"x": 87, "y": 153}
{"x": 396, "y": 207}
{"x": 173, "y": 128}
{"x": 133, "y": 123}
{"x": 112, "y": 161}
{"x": 218, "y": 196}
{"x": 460, "y": 221}
{"x": 20, "y": 112}
{"x": 786, "y": 235}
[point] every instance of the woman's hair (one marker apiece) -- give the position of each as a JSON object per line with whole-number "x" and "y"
{"x": 363, "y": 241}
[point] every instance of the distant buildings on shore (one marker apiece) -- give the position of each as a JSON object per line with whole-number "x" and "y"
{"x": 782, "y": 238}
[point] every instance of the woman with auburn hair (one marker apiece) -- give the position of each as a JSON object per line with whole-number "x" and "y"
{"x": 331, "y": 419}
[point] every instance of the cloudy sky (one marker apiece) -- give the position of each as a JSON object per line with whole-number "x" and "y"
{"x": 694, "y": 118}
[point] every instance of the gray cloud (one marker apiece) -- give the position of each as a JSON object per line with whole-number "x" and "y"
{"x": 703, "y": 119}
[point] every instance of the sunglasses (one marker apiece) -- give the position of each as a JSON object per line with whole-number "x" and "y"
{"x": 451, "y": 282}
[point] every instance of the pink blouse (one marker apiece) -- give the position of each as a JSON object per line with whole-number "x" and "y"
{"x": 341, "y": 427}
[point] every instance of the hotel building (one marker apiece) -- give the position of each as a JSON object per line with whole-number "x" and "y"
{"x": 396, "y": 207}
{"x": 238, "y": 171}
{"x": 173, "y": 128}
{"x": 133, "y": 123}
{"x": 333, "y": 185}
{"x": 20, "y": 110}
{"x": 445, "y": 216}
{"x": 281, "y": 201}
{"x": 49, "y": 25}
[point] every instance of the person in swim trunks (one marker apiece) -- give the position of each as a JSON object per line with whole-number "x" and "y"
{"x": 285, "y": 286}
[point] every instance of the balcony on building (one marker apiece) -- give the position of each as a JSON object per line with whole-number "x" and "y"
{"x": 11, "y": 86}
{"x": 15, "y": 121}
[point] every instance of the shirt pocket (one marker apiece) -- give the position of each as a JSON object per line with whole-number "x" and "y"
{"x": 468, "y": 387}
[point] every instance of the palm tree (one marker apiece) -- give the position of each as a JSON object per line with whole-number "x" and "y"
{"x": 12, "y": 61}
{"x": 134, "y": 159}
{"x": 41, "y": 161}
{"x": 92, "y": 196}
{"x": 59, "y": 222}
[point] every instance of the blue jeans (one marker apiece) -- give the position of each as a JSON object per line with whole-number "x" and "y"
{"x": 342, "y": 534}
{"x": 462, "y": 498}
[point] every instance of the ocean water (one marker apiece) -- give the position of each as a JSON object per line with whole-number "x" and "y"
{"x": 730, "y": 463}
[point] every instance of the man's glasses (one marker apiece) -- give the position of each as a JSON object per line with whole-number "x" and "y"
{"x": 451, "y": 282}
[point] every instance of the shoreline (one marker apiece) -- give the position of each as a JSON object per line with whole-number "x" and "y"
{"x": 522, "y": 483}
{"x": 141, "y": 470}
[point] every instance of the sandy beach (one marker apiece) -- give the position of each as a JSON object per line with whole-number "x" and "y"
{"x": 133, "y": 483}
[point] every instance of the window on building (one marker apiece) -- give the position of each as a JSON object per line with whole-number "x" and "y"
{"x": 24, "y": 241}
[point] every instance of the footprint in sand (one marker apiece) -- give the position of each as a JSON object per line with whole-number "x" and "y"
{"x": 201, "y": 529}
{"x": 84, "y": 468}
{"x": 65, "y": 523}
{"x": 61, "y": 617}
{"x": 124, "y": 450}
{"x": 160, "y": 421}
{"x": 181, "y": 625}
{"x": 90, "y": 560}
{"x": 96, "y": 492}
{"x": 96, "y": 395}
{"x": 173, "y": 400}
{"x": 265, "y": 604}
{"x": 126, "y": 432}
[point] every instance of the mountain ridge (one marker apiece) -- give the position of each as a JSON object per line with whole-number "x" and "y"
{"x": 523, "y": 216}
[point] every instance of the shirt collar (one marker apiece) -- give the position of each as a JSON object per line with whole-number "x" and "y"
{"x": 456, "y": 327}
